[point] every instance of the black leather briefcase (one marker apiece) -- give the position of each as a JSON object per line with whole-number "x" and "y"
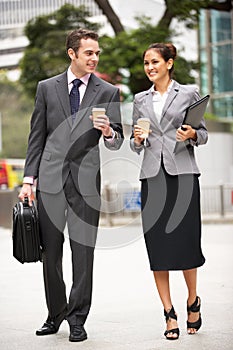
{"x": 26, "y": 236}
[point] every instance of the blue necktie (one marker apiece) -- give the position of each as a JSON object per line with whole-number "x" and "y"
{"x": 75, "y": 98}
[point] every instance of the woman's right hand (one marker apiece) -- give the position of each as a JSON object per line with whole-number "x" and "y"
{"x": 137, "y": 135}
{"x": 26, "y": 191}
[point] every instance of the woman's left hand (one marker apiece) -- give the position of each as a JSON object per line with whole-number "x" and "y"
{"x": 185, "y": 132}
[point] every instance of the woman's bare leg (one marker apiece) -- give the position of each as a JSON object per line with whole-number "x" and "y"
{"x": 163, "y": 287}
{"x": 190, "y": 277}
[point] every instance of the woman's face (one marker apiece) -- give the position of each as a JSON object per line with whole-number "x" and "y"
{"x": 155, "y": 67}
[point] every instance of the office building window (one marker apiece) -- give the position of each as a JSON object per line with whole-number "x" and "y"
{"x": 202, "y": 28}
{"x": 216, "y": 60}
{"x": 220, "y": 26}
{"x": 204, "y": 77}
{"x": 223, "y": 107}
{"x": 222, "y": 68}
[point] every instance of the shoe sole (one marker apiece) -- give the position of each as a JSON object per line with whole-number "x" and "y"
{"x": 42, "y": 334}
{"x": 77, "y": 340}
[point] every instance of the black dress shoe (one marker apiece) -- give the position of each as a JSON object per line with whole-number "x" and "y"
{"x": 77, "y": 333}
{"x": 51, "y": 326}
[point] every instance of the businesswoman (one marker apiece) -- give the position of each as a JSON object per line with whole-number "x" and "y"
{"x": 169, "y": 183}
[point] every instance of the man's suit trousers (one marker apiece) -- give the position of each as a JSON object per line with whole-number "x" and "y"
{"x": 82, "y": 216}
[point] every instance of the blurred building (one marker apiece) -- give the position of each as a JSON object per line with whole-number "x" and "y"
{"x": 216, "y": 59}
{"x": 14, "y": 16}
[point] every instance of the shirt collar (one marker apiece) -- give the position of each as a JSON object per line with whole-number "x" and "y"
{"x": 71, "y": 77}
{"x": 154, "y": 92}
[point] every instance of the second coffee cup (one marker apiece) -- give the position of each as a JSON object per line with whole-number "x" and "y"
{"x": 144, "y": 123}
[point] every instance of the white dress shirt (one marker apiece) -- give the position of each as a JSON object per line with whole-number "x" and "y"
{"x": 159, "y": 100}
{"x": 82, "y": 87}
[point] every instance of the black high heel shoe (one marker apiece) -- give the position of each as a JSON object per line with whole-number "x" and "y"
{"x": 195, "y": 307}
{"x": 168, "y": 315}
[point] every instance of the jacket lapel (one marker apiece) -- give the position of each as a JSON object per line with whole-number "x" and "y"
{"x": 170, "y": 98}
{"x": 150, "y": 109}
{"x": 63, "y": 95}
{"x": 92, "y": 91}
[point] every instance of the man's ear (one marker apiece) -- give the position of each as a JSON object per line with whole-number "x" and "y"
{"x": 71, "y": 54}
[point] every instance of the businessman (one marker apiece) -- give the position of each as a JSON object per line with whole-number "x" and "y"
{"x": 63, "y": 158}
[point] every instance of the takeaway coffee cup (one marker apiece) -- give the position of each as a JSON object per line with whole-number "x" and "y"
{"x": 144, "y": 123}
{"x": 97, "y": 111}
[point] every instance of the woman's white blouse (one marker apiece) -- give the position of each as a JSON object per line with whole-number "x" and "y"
{"x": 159, "y": 100}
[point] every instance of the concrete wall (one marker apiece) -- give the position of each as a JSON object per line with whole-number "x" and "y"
{"x": 215, "y": 159}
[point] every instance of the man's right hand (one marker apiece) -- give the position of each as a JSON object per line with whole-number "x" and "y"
{"x": 26, "y": 191}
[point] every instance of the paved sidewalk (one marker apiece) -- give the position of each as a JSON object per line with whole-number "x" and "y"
{"x": 126, "y": 312}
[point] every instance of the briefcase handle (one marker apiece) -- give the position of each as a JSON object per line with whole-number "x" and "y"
{"x": 32, "y": 207}
{"x": 26, "y": 202}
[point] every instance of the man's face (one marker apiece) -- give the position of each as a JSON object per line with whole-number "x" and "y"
{"x": 85, "y": 60}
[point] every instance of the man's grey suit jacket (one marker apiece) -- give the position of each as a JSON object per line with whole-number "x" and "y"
{"x": 57, "y": 147}
{"x": 163, "y": 136}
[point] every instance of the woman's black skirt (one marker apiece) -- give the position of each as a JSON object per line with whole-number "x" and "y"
{"x": 171, "y": 221}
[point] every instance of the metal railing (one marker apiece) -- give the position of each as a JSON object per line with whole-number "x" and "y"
{"x": 122, "y": 202}
{"x": 217, "y": 199}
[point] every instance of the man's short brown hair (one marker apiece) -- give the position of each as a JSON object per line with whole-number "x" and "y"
{"x": 74, "y": 38}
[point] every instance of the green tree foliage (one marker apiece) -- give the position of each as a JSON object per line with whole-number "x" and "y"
{"x": 187, "y": 11}
{"x": 15, "y": 114}
{"x": 45, "y": 55}
{"x": 126, "y": 49}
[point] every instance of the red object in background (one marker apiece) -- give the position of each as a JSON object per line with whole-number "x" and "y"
{"x": 103, "y": 76}
{"x": 3, "y": 174}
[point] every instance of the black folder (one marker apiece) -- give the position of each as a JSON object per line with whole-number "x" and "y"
{"x": 193, "y": 116}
